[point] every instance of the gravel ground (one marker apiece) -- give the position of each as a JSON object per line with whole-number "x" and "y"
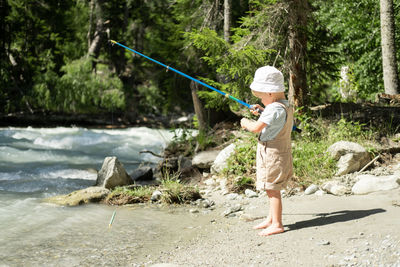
{"x": 320, "y": 231}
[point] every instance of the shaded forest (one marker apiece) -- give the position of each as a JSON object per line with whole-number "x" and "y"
{"x": 56, "y": 56}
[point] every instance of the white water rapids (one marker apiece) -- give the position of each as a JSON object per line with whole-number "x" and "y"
{"x": 38, "y": 163}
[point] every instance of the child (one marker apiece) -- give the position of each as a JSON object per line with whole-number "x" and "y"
{"x": 274, "y": 153}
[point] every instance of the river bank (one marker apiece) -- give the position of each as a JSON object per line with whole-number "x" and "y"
{"x": 321, "y": 230}
{"x": 326, "y": 230}
{"x": 110, "y": 120}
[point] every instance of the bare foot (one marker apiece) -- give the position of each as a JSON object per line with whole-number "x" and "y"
{"x": 263, "y": 225}
{"x": 272, "y": 230}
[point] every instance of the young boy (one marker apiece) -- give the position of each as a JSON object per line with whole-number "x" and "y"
{"x": 274, "y": 153}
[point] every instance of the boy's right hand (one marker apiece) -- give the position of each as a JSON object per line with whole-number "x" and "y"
{"x": 256, "y": 109}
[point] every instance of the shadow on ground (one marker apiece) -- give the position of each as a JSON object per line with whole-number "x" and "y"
{"x": 332, "y": 217}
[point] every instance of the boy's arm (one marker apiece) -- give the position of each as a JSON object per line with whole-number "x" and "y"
{"x": 252, "y": 126}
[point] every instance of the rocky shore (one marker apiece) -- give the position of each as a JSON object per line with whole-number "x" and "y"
{"x": 205, "y": 169}
{"x": 350, "y": 219}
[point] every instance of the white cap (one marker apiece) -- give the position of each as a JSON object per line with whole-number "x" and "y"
{"x": 268, "y": 79}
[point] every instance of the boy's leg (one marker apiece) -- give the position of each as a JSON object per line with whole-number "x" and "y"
{"x": 267, "y": 222}
{"x": 276, "y": 225}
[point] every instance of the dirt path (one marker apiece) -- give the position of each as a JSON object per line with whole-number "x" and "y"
{"x": 320, "y": 231}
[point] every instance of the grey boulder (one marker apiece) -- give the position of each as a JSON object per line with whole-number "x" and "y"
{"x": 112, "y": 174}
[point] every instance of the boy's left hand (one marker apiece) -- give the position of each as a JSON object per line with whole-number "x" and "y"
{"x": 252, "y": 126}
{"x": 244, "y": 122}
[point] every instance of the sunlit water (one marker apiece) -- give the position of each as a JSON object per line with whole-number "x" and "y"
{"x": 39, "y": 163}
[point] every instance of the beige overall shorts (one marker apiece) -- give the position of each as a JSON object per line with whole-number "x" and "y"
{"x": 274, "y": 158}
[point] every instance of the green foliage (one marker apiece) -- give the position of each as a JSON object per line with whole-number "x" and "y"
{"x": 182, "y": 142}
{"x": 204, "y": 140}
{"x": 343, "y": 129}
{"x": 186, "y": 141}
{"x": 44, "y": 44}
{"x": 151, "y": 97}
{"x": 37, "y": 38}
{"x": 235, "y": 64}
{"x": 242, "y": 161}
{"x": 79, "y": 89}
{"x": 356, "y": 24}
{"x": 311, "y": 162}
{"x": 311, "y": 128}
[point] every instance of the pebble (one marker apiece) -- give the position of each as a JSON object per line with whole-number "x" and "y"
{"x": 250, "y": 193}
{"x": 232, "y": 196}
{"x": 232, "y": 209}
{"x": 206, "y": 203}
{"x": 320, "y": 193}
{"x": 224, "y": 192}
{"x": 210, "y": 182}
{"x": 311, "y": 189}
{"x": 323, "y": 243}
{"x": 223, "y": 183}
{"x": 156, "y": 195}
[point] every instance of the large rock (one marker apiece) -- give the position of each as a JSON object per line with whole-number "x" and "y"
{"x": 142, "y": 174}
{"x": 370, "y": 183}
{"x": 112, "y": 174}
{"x": 342, "y": 148}
{"x": 351, "y": 163}
{"x": 88, "y": 195}
{"x": 205, "y": 159}
{"x": 334, "y": 188}
{"x": 352, "y": 156}
{"x": 220, "y": 162}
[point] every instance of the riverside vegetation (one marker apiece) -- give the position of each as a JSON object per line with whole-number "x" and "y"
{"x": 312, "y": 163}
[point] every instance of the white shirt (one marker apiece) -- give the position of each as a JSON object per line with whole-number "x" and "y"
{"x": 274, "y": 115}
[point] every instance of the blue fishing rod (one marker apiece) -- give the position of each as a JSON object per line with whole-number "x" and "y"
{"x": 185, "y": 75}
{"x": 194, "y": 79}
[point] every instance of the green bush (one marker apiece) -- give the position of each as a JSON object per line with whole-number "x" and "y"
{"x": 79, "y": 89}
{"x": 311, "y": 162}
{"x": 242, "y": 161}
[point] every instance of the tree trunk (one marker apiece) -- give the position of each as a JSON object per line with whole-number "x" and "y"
{"x": 298, "y": 12}
{"x": 389, "y": 64}
{"x": 198, "y": 107}
{"x": 227, "y": 19}
{"x": 89, "y": 34}
{"x": 98, "y": 35}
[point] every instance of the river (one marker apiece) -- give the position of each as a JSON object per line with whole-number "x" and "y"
{"x": 36, "y": 163}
